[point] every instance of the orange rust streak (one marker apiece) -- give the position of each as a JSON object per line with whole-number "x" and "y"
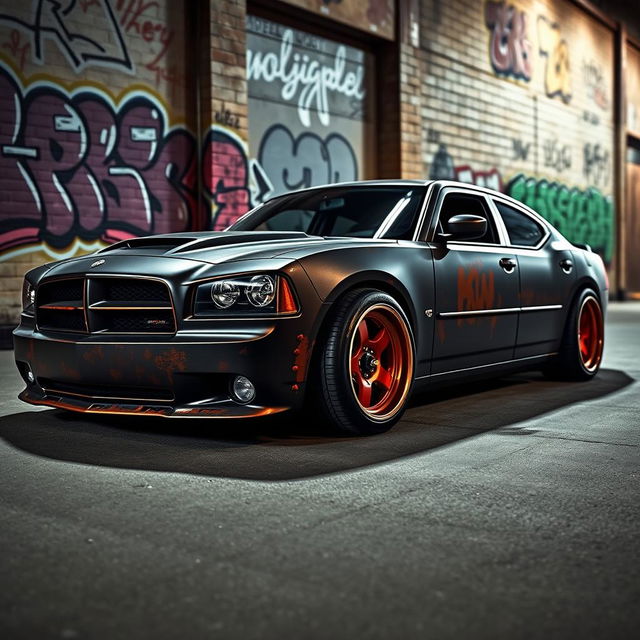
{"x": 301, "y": 359}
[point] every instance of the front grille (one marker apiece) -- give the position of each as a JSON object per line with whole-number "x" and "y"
{"x": 147, "y": 290}
{"x": 105, "y": 305}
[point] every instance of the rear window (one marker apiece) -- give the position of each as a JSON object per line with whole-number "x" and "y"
{"x": 523, "y": 230}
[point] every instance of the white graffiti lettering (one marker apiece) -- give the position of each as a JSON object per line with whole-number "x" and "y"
{"x": 309, "y": 80}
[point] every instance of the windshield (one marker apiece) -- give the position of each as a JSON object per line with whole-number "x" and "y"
{"x": 356, "y": 212}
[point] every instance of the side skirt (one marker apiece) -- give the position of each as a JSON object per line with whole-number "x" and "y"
{"x": 483, "y": 371}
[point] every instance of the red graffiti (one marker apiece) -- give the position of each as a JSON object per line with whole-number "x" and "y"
{"x": 226, "y": 177}
{"x": 17, "y": 48}
{"x": 134, "y": 20}
{"x": 509, "y": 47}
{"x": 476, "y": 291}
{"x": 75, "y": 166}
{"x": 491, "y": 179}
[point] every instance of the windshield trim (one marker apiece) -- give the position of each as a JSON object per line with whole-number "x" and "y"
{"x": 421, "y": 190}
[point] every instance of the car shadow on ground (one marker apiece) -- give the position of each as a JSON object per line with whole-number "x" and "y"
{"x": 285, "y": 449}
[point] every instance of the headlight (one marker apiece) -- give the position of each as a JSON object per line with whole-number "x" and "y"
{"x": 244, "y": 295}
{"x": 262, "y": 291}
{"x": 224, "y": 293}
{"x": 28, "y": 297}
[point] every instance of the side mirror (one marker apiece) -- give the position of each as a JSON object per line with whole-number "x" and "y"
{"x": 464, "y": 227}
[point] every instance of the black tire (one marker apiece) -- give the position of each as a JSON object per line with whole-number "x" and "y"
{"x": 365, "y": 365}
{"x": 582, "y": 342}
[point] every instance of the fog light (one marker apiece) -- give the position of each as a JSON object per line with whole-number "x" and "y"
{"x": 242, "y": 389}
{"x": 30, "y": 377}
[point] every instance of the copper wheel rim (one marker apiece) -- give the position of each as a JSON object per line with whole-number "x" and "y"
{"x": 380, "y": 361}
{"x": 590, "y": 334}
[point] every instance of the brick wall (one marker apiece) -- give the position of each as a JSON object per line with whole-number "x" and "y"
{"x": 97, "y": 130}
{"x": 101, "y": 137}
{"x": 519, "y": 96}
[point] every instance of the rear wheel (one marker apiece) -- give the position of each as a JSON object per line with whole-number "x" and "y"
{"x": 583, "y": 341}
{"x": 366, "y": 364}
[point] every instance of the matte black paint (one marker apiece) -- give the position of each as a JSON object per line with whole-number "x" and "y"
{"x": 424, "y": 275}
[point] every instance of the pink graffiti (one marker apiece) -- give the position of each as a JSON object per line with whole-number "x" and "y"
{"x": 226, "y": 177}
{"x": 509, "y": 47}
{"x": 75, "y": 166}
{"x": 490, "y": 179}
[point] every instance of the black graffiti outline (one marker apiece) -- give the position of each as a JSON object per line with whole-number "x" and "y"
{"x": 520, "y": 149}
{"x": 596, "y": 167}
{"x": 306, "y": 180}
{"x": 65, "y": 38}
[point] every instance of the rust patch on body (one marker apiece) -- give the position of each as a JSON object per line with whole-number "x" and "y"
{"x": 171, "y": 361}
{"x": 94, "y": 354}
{"x": 301, "y": 360}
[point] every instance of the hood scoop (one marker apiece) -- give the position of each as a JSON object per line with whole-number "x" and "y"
{"x": 226, "y": 238}
{"x": 156, "y": 244}
{"x": 181, "y": 243}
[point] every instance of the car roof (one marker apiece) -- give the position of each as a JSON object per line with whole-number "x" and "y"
{"x": 425, "y": 183}
{"x": 362, "y": 183}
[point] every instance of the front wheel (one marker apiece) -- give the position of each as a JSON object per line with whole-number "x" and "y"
{"x": 583, "y": 341}
{"x": 366, "y": 367}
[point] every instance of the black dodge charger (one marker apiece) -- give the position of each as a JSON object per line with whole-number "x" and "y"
{"x": 337, "y": 300}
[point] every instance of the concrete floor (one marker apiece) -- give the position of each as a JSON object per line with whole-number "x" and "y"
{"x": 508, "y": 509}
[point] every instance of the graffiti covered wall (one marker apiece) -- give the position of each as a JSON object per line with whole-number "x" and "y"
{"x": 308, "y": 109}
{"x": 525, "y": 107}
{"x": 96, "y": 129}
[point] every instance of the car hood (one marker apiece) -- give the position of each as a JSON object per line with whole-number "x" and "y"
{"x": 228, "y": 246}
{"x": 213, "y": 247}
{"x": 191, "y": 253}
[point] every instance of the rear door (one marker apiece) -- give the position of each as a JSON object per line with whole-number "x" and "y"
{"x": 477, "y": 290}
{"x": 547, "y": 276}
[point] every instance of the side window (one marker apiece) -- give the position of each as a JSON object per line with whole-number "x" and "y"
{"x": 456, "y": 203}
{"x": 523, "y": 230}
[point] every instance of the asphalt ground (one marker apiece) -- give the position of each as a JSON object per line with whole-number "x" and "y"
{"x": 507, "y": 509}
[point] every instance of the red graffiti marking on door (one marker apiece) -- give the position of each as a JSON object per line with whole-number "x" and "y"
{"x": 476, "y": 291}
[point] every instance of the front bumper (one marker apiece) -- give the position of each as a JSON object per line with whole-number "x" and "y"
{"x": 188, "y": 375}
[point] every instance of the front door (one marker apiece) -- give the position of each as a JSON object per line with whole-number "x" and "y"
{"x": 477, "y": 292}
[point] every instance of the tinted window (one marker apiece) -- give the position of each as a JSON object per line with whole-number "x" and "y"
{"x": 523, "y": 230}
{"x": 353, "y": 212}
{"x": 456, "y": 204}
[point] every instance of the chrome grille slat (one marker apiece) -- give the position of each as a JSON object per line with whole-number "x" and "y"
{"x": 105, "y": 304}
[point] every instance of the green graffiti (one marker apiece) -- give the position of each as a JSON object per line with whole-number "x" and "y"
{"x": 581, "y": 215}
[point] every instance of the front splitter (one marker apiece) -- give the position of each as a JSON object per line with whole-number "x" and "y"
{"x": 225, "y": 410}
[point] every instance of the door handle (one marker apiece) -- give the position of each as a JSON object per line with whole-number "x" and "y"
{"x": 508, "y": 265}
{"x": 566, "y": 265}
